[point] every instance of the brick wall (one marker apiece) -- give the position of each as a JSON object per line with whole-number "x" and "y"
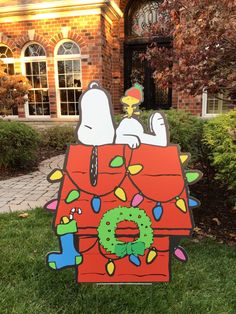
{"x": 100, "y": 40}
{"x": 84, "y": 30}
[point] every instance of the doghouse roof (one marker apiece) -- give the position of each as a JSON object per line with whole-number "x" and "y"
{"x": 155, "y": 177}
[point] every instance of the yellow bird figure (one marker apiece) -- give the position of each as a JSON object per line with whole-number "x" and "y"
{"x": 132, "y": 99}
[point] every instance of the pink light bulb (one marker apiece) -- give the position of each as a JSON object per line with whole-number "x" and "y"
{"x": 180, "y": 254}
{"x": 137, "y": 199}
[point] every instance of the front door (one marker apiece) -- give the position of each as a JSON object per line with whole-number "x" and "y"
{"x": 139, "y": 71}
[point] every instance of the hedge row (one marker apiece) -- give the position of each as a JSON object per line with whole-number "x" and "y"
{"x": 212, "y": 143}
{"x": 18, "y": 145}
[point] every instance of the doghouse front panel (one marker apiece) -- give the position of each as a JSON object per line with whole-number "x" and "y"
{"x": 93, "y": 268}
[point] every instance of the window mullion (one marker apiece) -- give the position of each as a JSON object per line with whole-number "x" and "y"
{"x": 36, "y": 76}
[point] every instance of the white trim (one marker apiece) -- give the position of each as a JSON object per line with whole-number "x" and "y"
{"x": 31, "y": 33}
{"x": 60, "y": 4}
{"x": 8, "y": 60}
{"x": 62, "y": 58}
{"x": 37, "y": 117}
{"x": 65, "y": 31}
{"x": 9, "y": 117}
{"x": 66, "y": 8}
{"x": 204, "y": 107}
{"x": 32, "y": 59}
{"x": 43, "y": 16}
{"x": 204, "y": 103}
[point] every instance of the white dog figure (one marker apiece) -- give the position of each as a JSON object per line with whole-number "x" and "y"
{"x": 131, "y": 132}
{"x": 96, "y": 126}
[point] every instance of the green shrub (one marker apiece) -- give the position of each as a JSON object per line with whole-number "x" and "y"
{"x": 58, "y": 137}
{"x": 18, "y": 143}
{"x": 187, "y": 130}
{"x": 220, "y": 136}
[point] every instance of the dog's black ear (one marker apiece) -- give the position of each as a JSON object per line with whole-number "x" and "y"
{"x": 93, "y": 84}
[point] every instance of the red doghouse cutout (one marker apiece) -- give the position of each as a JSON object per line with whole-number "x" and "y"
{"x": 122, "y": 208}
{"x": 160, "y": 182}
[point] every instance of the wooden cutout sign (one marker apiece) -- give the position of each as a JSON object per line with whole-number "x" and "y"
{"x": 124, "y": 201}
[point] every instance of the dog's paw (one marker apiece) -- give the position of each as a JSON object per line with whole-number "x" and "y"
{"x": 157, "y": 123}
{"x": 133, "y": 141}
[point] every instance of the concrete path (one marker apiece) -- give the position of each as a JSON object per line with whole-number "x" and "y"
{"x": 31, "y": 190}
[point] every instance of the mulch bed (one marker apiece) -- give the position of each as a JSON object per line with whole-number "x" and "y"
{"x": 215, "y": 218}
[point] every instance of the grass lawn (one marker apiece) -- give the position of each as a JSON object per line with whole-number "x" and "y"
{"x": 206, "y": 284}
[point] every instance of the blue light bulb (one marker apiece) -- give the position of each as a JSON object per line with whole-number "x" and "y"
{"x": 157, "y": 211}
{"x": 96, "y": 204}
{"x": 192, "y": 202}
{"x": 134, "y": 260}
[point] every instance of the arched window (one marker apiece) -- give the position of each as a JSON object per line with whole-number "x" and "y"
{"x": 35, "y": 69}
{"x": 69, "y": 80}
{"x": 6, "y": 56}
{"x": 141, "y": 15}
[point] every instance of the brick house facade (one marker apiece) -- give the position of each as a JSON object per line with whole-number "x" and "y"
{"x": 62, "y": 45}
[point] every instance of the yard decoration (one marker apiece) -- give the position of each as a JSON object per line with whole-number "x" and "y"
{"x": 124, "y": 201}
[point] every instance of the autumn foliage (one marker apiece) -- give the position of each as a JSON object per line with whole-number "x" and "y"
{"x": 13, "y": 88}
{"x": 203, "y": 52}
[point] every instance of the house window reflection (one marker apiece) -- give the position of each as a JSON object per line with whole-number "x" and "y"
{"x": 69, "y": 83}
{"x": 36, "y": 72}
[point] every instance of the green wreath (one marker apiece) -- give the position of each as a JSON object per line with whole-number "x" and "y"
{"x": 108, "y": 225}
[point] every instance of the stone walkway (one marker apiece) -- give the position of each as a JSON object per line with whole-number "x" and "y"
{"x": 31, "y": 190}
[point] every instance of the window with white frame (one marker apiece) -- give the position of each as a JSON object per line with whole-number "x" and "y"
{"x": 35, "y": 68}
{"x": 6, "y": 56}
{"x": 69, "y": 81}
{"x": 215, "y": 104}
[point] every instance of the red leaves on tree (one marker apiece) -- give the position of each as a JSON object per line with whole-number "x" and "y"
{"x": 204, "y": 50}
{"x": 13, "y": 88}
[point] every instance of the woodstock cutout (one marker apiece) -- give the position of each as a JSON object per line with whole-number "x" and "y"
{"x": 124, "y": 201}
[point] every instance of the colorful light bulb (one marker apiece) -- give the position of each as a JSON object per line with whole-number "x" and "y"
{"x": 137, "y": 199}
{"x": 55, "y": 176}
{"x": 180, "y": 254}
{"x": 180, "y": 203}
{"x": 152, "y": 255}
{"x": 72, "y": 196}
{"x": 157, "y": 211}
{"x": 135, "y": 169}
{"x": 193, "y": 176}
{"x": 134, "y": 260}
{"x": 110, "y": 268}
{"x": 51, "y": 206}
{"x": 96, "y": 204}
{"x": 65, "y": 220}
{"x": 192, "y": 202}
{"x": 120, "y": 193}
{"x": 184, "y": 158}
{"x": 117, "y": 162}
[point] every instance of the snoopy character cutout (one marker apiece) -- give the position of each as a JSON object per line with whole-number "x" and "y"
{"x": 124, "y": 202}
